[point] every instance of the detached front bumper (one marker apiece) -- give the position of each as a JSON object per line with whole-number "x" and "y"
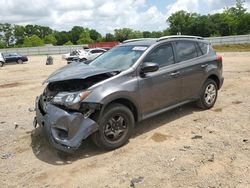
{"x": 65, "y": 130}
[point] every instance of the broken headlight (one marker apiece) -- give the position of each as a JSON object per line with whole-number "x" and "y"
{"x": 70, "y": 98}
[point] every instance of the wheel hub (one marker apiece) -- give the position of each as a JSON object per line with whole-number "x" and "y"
{"x": 115, "y": 128}
{"x": 210, "y": 94}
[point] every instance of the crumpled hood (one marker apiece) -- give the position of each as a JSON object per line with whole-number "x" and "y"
{"x": 75, "y": 71}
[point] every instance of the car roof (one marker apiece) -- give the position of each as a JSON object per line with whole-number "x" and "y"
{"x": 151, "y": 41}
{"x": 143, "y": 42}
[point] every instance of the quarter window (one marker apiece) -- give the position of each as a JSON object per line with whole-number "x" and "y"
{"x": 162, "y": 55}
{"x": 203, "y": 46}
{"x": 185, "y": 50}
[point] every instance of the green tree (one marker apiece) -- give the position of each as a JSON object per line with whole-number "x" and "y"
{"x": 85, "y": 38}
{"x": 2, "y": 45}
{"x": 109, "y": 37}
{"x": 94, "y": 35}
{"x": 68, "y": 43}
{"x": 7, "y": 34}
{"x": 75, "y": 33}
{"x": 33, "y": 41}
{"x": 146, "y": 34}
{"x": 127, "y": 33}
{"x": 19, "y": 33}
{"x": 123, "y": 34}
{"x": 62, "y": 37}
{"x": 182, "y": 22}
{"x": 244, "y": 24}
{"x": 166, "y": 32}
{"x": 156, "y": 34}
{"x": 50, "y": 39}
{"x": 238, "y": 10}
{"x": 40, "y": 31}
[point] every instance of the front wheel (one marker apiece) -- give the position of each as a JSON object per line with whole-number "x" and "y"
{"x": 19, "y": 61}
{"x": 208, "y": 95}
{"x": 115, "y": 127}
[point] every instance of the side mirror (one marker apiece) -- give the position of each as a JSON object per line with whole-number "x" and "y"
{"x": 149, "y": 67}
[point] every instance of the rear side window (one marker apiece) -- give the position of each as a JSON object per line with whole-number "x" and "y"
{"x": 162, "y": 55}
{"x": 185, "y": 50}
{"x": 203, "y": 47}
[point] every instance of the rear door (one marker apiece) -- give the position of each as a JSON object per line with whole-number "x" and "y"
{"x": 160, "y": 89}
{"x": 192, "y": 65}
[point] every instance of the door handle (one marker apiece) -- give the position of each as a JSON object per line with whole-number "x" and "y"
{"x": 177, "y": 73}
{"x": 204, "y": 66}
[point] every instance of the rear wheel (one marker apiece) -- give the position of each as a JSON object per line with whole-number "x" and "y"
{"x": 209, "y": 95}
{"x": 19, "y": 61}
{"x": 115, "y": 127}
{"x": 1, "y": 64}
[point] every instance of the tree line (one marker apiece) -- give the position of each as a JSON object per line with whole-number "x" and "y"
{"x": 232, "y": 21}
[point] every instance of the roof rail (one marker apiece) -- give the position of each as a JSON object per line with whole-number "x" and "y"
{"x": 139, "y": 39}
{"x": 179, "y": 36}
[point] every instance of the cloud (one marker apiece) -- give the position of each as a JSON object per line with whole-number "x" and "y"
{"x": 105, "y": 16}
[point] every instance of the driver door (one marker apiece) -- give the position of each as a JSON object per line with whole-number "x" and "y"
{"x": 160, "y": 89}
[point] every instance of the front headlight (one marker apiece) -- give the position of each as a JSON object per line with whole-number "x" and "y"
{"x": 69, "y": 98}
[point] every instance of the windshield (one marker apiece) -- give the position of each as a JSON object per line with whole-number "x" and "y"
{"x": 119, "y": 58}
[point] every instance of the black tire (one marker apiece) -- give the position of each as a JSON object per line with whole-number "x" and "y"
{"x": 104, "y": 137}
{"x": 204, "y": 102}
{"x": 19, "y": 61}
{"x": 1, "y": 64}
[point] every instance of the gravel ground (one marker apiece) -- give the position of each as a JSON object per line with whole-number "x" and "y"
{"x": 185, "y": 147}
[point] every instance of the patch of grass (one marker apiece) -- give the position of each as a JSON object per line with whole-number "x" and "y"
{"x": 232, "y": 48}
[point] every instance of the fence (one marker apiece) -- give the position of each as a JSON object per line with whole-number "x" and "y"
{"x": 52, "y": 50}
{"x": 237, "y": 39}
{"x": 45, "y": 50}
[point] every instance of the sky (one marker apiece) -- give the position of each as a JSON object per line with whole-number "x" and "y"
{"x": 104, "y": 15}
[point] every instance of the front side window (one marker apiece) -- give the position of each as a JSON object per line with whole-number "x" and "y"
{"x": 119, "y": 58}
{"x": 162, "y": 55}
{"x": 185, "y": 50}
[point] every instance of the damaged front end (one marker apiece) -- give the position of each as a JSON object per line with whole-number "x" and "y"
{"x": 66, "y": 118}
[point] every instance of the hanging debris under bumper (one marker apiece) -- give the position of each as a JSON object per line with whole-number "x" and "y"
{"x": 65, "y": 129}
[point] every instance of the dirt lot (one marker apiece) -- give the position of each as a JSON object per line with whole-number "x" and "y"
{"x": 162, "y": 153}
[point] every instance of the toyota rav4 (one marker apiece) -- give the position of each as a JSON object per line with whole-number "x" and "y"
{"x": 134, "y": 81}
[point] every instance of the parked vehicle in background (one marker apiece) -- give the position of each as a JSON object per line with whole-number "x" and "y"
{"x": 65, "y": 56}
{"x": 2, "y": 60}
{"x": 15, "y": 57}
{"x": 130, "y": 83}
{"x": 86, "y": 55}
{"x": 74, "y": 53}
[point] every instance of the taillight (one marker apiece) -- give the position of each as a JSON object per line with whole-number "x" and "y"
{"x": 219, "y": 58}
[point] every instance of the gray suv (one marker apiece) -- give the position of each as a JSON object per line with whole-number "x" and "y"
{"x": 134, "y": 81}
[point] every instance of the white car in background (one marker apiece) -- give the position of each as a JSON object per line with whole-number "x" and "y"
{"x": 71, "y": 54}
{"x": 74, "y": 53}
{"x": 86, "y": 55}
{"x": 91, "y": 53}
{"x": 2, "y": 60}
